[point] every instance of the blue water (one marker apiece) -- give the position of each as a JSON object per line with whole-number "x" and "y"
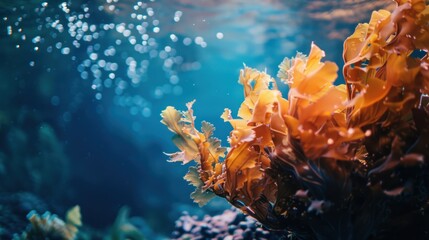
{"x": 100, "y": 72}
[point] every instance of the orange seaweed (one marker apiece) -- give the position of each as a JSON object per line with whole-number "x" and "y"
{"x": 336, "y": 144}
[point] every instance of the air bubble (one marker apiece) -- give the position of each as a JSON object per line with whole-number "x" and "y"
{"x": 146, "y": 112}
{"x": 187, "y": 41}
{"x": 9, "y": 30}
{"x": 65, "y": 50}
{"x": 98, "y": 96}
{"x": 68, "y": 30}
{"x": 173, "y": 37}
{"x": 93, "y": 56}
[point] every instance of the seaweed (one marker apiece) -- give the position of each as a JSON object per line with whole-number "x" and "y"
{"x": 123, "y": 228}
{"x": 329, "y": 162}
{"x": 50, "y": 226}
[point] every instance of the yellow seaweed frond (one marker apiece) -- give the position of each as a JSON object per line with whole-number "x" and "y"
{"x": 281, "y": 149}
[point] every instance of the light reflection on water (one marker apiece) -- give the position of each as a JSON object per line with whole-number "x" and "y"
{"x": 115, "y": 44}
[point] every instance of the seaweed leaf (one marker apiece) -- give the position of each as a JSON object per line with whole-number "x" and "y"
{"x": 177, "y": 123}
{"x": 200, "y": 195}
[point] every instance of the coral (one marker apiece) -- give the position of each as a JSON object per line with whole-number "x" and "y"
{"x": 329, "y": 162}
{"x": 13, "y": 208}
{"x": 49, "y": 226}
{"x": 231, "y": 224}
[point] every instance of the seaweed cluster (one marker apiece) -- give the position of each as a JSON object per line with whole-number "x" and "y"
{"x": 329, "y": 162}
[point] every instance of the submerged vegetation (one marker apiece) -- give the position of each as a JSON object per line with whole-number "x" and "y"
{"x": 50, "y": 226}
{"x": 329, "y": 162}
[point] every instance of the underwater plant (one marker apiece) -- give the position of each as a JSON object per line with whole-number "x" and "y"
{"x": 329, "y": 162}
{"x": 123, "y": 228}
{"x": 50, "y": 226}
{"x": 31, "y": 155}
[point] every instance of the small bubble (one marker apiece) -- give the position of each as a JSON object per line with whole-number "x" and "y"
{"x": 97, "y": 46}
{"x": 177, "y": 16}
{"x": 55, "y": 100}
{"x": 187, "y": 41}
{"x": 174, "y": 79}
{"x": 98, "y": 96}
{"x": 9, "y": 30}
{"x": 132, "y": 40}
{"x": 96, "y": 73}
{"x": 150, "y": 12}
{"x": 198, "y": 40}
{"x": 158, "y": 92}
{"x": 219, "y": 35}
{"x": 32, "y": 63}
{"x": 146, "y": 112}
{"x": 93, "y": 56}
{"x": 65, "y": 50}
{"x": 84, "y": 75}
{"x": 163, "y": 54}
{"x": 36, "y": 39}
{"x": 156, "y": 29}
{"x": 120, "y": 28}
{"x": 113, "y": 66}
{"x": 108, "y": 83}
{"x": 101, "y": 63}
{"x": 127, "y": 33}
{"x": 173, "y": 37}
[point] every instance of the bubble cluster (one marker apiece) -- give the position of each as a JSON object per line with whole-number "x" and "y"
{"x": 113, "y": 47}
